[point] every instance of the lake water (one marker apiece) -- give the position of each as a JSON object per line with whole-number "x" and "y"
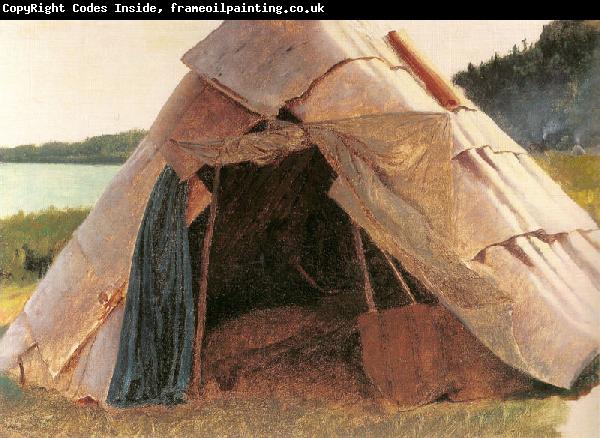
{"x": 36, "y": 186}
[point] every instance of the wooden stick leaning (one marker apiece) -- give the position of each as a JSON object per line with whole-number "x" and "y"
{"x": 358, "y": 245}
{"x": 194, "y": 388}
{"x": 400, "y": 278}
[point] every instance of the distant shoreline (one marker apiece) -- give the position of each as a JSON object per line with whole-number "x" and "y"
{"x": 102, "y": 149}
{"x": 103, "y": 162}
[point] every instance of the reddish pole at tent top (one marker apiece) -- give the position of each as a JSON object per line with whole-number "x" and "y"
{"x": 434, "y": 83}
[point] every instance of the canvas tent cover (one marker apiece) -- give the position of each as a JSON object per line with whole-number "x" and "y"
{"x": 462, "y": 207}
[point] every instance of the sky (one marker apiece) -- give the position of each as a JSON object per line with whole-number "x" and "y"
{"x": 68, "y": 80}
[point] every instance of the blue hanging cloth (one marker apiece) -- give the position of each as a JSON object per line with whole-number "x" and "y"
{"x": 154, "y": 361}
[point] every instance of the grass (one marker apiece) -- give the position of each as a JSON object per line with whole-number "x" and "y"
{"x": 12, "y": 300}
{"x": 43, "y": 413}
{"x": 579, "y": 176}
{"x": 28, "y": 242}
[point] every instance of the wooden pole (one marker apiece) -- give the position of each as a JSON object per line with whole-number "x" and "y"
{"x": 362, "y": 261}
{"x": 400, "y": 278}
{"x": 194, "y": 389}
{"x": 295, "y": 262}
{"x": 21, "y": 372}
{"x": 435, "y": 84}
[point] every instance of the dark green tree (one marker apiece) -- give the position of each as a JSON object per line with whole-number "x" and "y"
{"x": 545, "y": 92}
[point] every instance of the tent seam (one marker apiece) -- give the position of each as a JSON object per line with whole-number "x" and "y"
{"x": 539, "y": 233}
{"x": 301, "y": 98}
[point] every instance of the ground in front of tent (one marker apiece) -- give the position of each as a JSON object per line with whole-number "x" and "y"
{"x": 314, "y": 388}
{"x": 269, "y": 396}
{"x": 38, "y": 412}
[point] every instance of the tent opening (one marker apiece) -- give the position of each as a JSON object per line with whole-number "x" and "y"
{"x": 280, "y": 240}
{"x": 283, "y": 252}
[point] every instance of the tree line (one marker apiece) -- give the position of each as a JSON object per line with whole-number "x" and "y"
{"x": 101, "y": 149}
{"x": 545, "y": 94}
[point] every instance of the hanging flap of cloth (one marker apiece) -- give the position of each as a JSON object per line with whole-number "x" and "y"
{"x": 211, "y": 115}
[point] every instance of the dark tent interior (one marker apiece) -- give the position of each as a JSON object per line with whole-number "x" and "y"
{"x": 279, "y": 240}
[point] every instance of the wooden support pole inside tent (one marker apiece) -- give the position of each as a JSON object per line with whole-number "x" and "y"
{"x": 295, "y": 263}
{"x": 400, "y": 278}
{"x": 21, "y": 372}
{"x": 362, "y": 261}
{"x": 194, "y": 390}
